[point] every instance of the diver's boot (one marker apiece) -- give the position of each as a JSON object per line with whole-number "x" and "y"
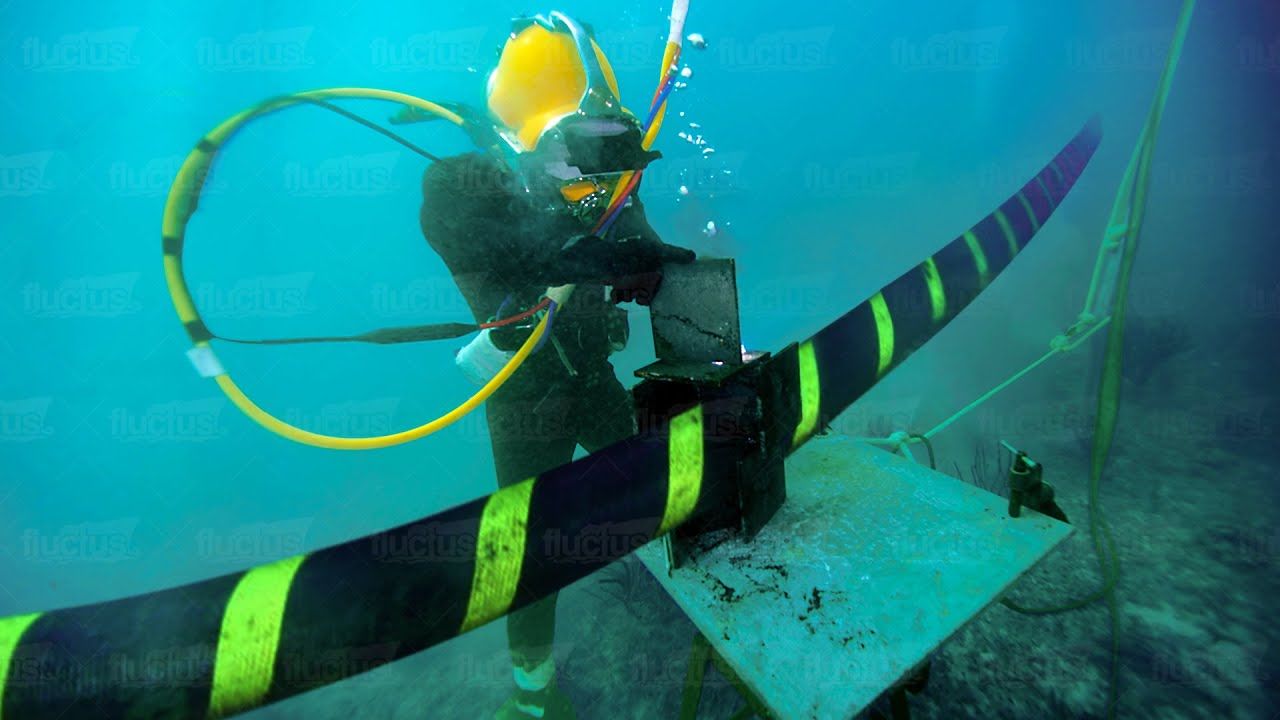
{"x": 536, "y": 697}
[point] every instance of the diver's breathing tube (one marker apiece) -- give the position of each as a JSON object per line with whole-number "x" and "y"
{"x": 657, "y": 110}
{"x": 183, "y": 200}
{"x": 478, "y": 357}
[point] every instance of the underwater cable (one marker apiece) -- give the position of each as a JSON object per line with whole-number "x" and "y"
{"x": 339, "y": 602}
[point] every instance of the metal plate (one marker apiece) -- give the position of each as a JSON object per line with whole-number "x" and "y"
{"x": 870, "y": 565}
{"x": 695, "y": 313}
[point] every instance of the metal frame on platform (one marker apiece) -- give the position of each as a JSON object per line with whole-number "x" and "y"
{"x": 708, "y": 564}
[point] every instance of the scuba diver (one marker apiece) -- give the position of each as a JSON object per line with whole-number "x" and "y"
{"x": 510, "y": 230}
{"x": 543, "y": 233}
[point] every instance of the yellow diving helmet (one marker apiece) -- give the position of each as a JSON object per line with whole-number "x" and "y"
{"x": 556, "y": 95}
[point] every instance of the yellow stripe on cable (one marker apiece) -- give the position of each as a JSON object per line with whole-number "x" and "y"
{"x": 884, "y": 332}
{"x": 250, "y": 637}
{"x": 1009, "y": 236}
{"x": 937, "y": 293}
{"x": 1062, "y": 179}
{"x": 1031, "y": 213}
{"x": 1045, "y": 189}
{"x": 11, "y": 632}
{"x": 499, "y": 554}
{"x": 684, "y": 468}
{"x": 979, "y": 258}
{"x": 810, "y": 393}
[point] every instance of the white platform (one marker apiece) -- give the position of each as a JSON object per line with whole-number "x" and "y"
{"x": 872, "y": 563}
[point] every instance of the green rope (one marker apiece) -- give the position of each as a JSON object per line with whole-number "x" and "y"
{"x": 1123, "y": 231}
{"x": 1139, "y": 175}
{"x": 900, "y": 442}
{"x": 928, "y": 445}
{"x": 1061, "y": 344}
{"x": 1109, "y": 390}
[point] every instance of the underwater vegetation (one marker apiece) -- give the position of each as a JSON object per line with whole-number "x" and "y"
{"x": 988, "y": 468}
{"x": 628, "y": 585}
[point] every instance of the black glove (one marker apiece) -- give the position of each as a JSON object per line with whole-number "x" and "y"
{"x": 639, "y": 289}
{"x": 593, "y": 259}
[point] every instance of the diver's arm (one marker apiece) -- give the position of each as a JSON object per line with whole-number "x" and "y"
{"x": 641, "y": 286}
{"x": 590, "y": 259}
{"x": 467, "y": 218}
{"x": 633, "y": 248}
{"x": 632, "y": 223}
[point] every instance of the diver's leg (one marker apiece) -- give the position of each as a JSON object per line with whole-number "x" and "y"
{"x": 530, "y": 437}
{"x": 607, "y": 410}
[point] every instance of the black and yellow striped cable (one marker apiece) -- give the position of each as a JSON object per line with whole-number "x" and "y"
{"x": 236, "y": 642}
{"x": 232, "y": 643}
{"x": 834, "y": 367}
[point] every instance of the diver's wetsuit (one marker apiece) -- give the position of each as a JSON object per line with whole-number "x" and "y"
{"x": 501, "y": 242}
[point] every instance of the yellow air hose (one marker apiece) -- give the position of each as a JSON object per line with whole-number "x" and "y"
{"x": 184, "y": 196}
{"x": 670, "y": 55}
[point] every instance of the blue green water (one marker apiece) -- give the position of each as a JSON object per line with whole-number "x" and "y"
{"x": 851, "y": 139}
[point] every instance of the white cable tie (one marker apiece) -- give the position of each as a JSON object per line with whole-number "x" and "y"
{"x": 205, "y": 361}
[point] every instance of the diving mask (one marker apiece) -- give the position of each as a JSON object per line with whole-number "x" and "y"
{"x": 586, "y": 158}
{"x": 587, "y": 197}
{"x": 581, "y": 146}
